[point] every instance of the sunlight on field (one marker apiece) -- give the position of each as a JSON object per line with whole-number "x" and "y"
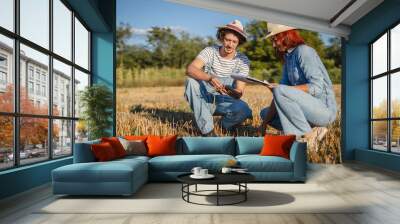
{"x": 164, "y": 111}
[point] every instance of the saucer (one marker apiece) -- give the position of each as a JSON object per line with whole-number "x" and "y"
{"x": 208, "y": 176}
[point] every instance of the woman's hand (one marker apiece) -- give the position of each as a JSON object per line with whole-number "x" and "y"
{"x": 272, "y": 86}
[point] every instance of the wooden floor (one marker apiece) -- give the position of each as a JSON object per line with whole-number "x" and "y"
{"x": 377, "y": 188}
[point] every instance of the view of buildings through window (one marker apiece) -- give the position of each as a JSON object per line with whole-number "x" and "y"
{"x": 46, "y": 99}
{"x": 385, "y": 82}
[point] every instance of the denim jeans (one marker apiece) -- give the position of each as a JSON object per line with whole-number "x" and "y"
{"x": 206, "y": 102}
{"x": 298, "y": 111}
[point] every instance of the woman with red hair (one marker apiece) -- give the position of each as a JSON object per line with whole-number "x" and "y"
{"x": 303, "y": 102}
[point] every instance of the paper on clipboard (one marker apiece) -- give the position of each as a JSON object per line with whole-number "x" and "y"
{"x": 249, "y": 79}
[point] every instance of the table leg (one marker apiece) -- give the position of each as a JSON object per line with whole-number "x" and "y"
{"x": 196, "y": 188}
{"x": 245, "y": 193}
{"x": 217, "y": 194}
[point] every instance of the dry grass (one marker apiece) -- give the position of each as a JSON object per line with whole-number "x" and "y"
{"x": 164, "y": 111}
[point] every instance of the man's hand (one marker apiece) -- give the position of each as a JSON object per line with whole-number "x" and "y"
{"x": 218, "y": 85}
{"x": 233, "y": 92}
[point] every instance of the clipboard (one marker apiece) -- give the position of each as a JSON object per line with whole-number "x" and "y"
{"x": 251, "y": 80}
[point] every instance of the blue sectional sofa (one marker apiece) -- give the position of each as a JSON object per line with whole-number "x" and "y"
{"x": 125, "y": 176}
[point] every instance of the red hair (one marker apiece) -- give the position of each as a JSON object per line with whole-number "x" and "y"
{"x": 288, "y": 39}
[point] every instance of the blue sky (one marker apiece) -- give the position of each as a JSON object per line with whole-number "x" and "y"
{"x": 142, "y": 15}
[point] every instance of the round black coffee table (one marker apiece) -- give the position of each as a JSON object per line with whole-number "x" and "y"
{"x": 238, "y": 179}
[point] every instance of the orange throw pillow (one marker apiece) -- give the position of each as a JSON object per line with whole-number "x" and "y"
{"x": 103, "y": 151}
{"x": 277, "y": 145}
{"x": 160, "y": 146}
{"x": 116, "y": 145}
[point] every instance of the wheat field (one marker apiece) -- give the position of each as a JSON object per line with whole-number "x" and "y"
{"x": 164, "y": 111}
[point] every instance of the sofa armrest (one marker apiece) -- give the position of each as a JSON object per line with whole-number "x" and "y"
{"x": 83, "y": 152}
{"x": 298, "y": 155}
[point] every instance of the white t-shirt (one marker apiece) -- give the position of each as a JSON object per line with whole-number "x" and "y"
{"x": 222, "y": 67}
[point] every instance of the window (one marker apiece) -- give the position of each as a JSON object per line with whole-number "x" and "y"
{"x": 7, "y": 142}
{"x": 6, "y": 73}
{"x": 30, "y": 72}
{"x": 62, "y": 29}
{"x": 30, "y": 88}
{"x": 3, "y": 61}
{"x": 385, "y": 94}
{"x": 62, "y": 74}
{"x": 62, "y": 130}
{"x": 44, "y": 91}
{"x": 38, "y": 89}
{"x": 37, "y": 74}
{"x": 81, "y": 45}
{"x": 3, "y": 78}
{"x": 3, "y": 70}
{"x": 7, "y": 14}
{"x": 54, "y": 125}
{"x": 34, "y": 21}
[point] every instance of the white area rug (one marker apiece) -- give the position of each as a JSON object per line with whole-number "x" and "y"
{"x": 166, "y": 198}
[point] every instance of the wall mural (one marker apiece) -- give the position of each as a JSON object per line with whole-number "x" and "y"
{"x": 172, "y": 81}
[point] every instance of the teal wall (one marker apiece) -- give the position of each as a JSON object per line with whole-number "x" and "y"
{"x": 99, "y": 16}
{"x": 24, "y": 178}
{"x": 356, "y": 125}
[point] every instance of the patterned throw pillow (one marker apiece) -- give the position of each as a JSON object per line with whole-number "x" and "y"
{"x": 134, "y": 147}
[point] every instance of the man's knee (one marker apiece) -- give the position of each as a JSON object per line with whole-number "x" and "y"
{"x": 192, "y": 87}
{"x": 279, "y": 90}
{"x": 192, "y": 83}
{"x": 240, "y": 107}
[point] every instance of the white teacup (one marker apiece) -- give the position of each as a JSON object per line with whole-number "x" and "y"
{"x": 203, "y": 172}
{"x": 196, "y": 170}
{"x": 226, "y": 170}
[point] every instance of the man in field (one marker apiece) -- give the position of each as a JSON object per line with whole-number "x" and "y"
{"x": 210, "y": 90}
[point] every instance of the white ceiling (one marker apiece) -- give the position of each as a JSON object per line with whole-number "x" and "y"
{"x": 317, "y": 15}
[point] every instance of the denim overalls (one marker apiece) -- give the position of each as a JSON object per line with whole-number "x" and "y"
{"x": 205, "y": 102}
{"x": 298, "y": 111}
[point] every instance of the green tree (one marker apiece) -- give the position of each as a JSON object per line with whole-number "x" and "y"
{"x": 124, "y": 32}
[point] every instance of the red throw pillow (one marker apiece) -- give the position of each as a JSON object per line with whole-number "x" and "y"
{"x": 277, "y": 145}
{"x": 116, "y": 145}
{"x": 159, "y": 145}
{"x": 103, "y": 151}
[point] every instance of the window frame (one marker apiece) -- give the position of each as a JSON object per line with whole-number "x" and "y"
{"x": 388, "y": 74}
{"x": 16, "y": 114}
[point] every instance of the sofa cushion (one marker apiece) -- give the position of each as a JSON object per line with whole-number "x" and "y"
{"x": 116, "y": 145}
{"x": 112, "y": 171}
{"x": 103, "y": 152}
{"x": 206, "y": 145}
{"x": 134, "y": 147}
{"x": 161, "y": 145}
{"x": 185, "y": 163}
{"x": 249, "y": 145}
{"x": 257, "y": 163}
{"x": 277, "y": 145}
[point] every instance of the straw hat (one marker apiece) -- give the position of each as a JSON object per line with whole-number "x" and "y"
{"x": 274, "y": 29}
{"x": 236, "y": 26}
